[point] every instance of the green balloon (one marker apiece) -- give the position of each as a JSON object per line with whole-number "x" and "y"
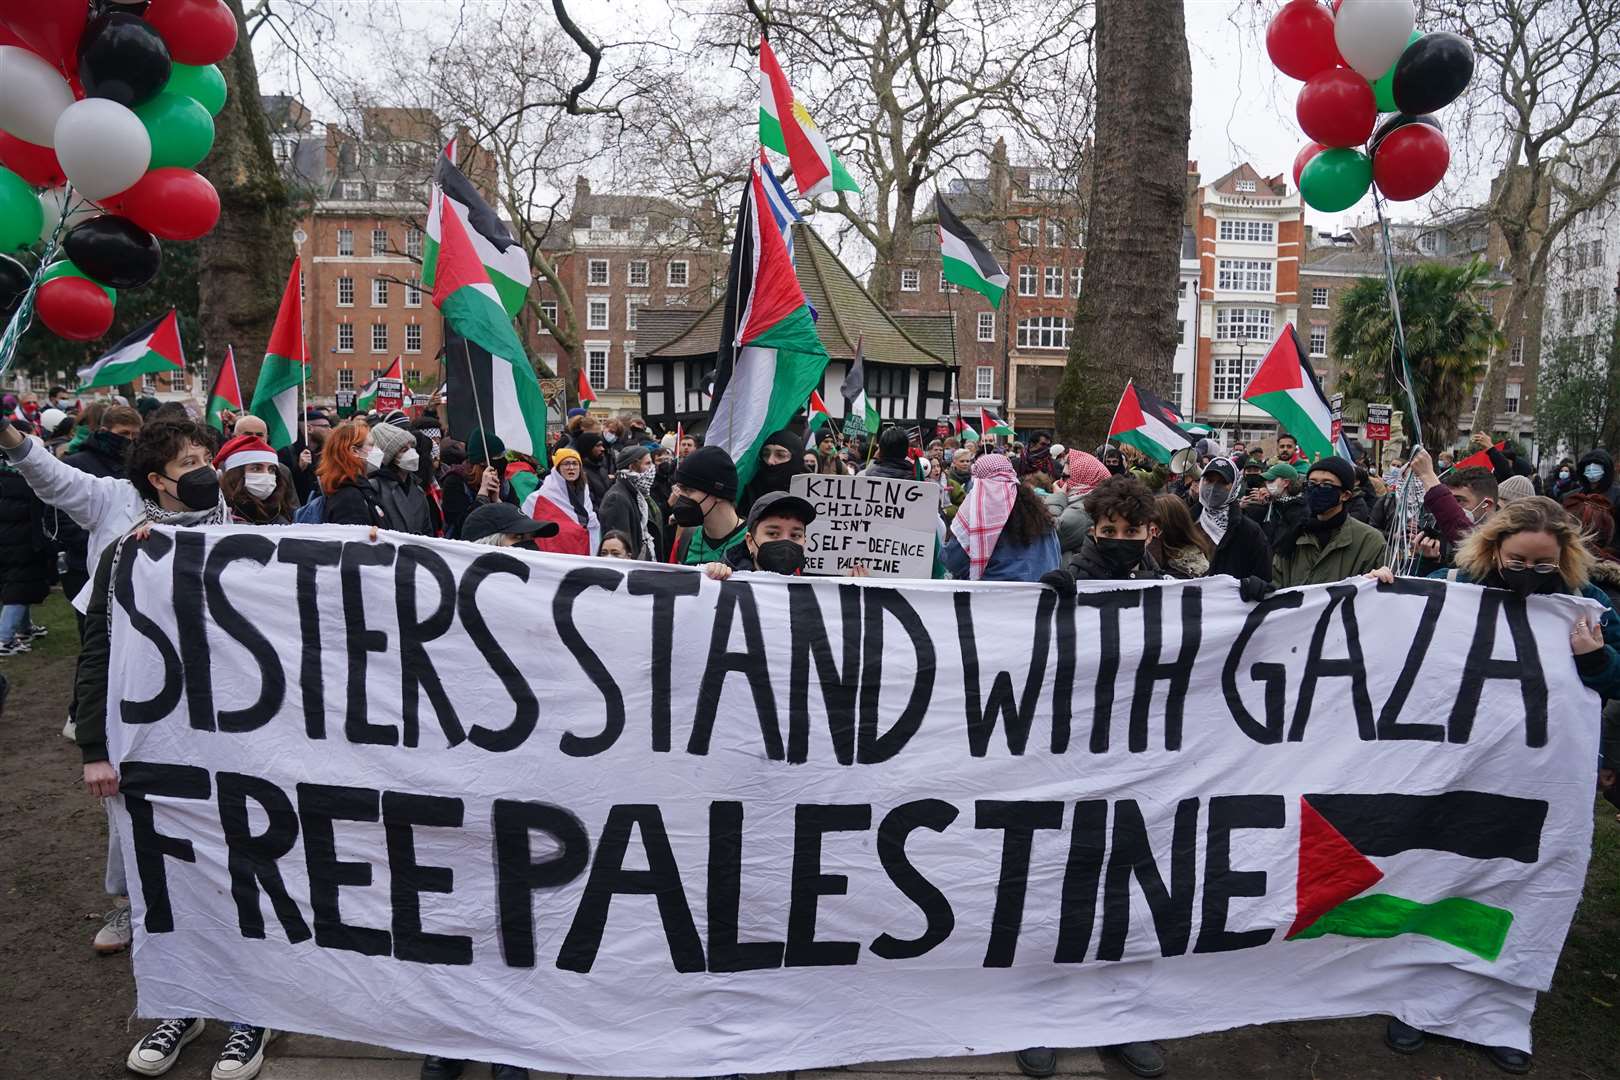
{"x": 1335, "y": 179}
{"x": 182, "y": 131}
{"x": 204, "y": 85}
{"x": 1384, "y": 88}
{"x": 21, "y": 216}
{"x": 65, "y": 268}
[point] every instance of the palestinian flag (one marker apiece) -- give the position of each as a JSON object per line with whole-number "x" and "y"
{"x": 367, "y": 399}
{"x": 1423, "y": 844}
{"x": 153, "y": 348}
{"x": 1285, "y": 386}
{"x": 505, "y": 262}
{"x": 860, "y": 412}
{"x": 817, "y": 409}
{"x": 964, "y": 430}
{"x": 226, "y": 393}
{"x": 585, "y": 391}
{"x": 991, "y": 424}
{"x": 275, "y": 397}
{"x": 785, "y": 126}
{"x": 499, "y": 374}
{"x": 1145, "y": 422}
{"x": 770, "y": 358}
{"x": 1479, "y": 458}
{"x": 965, "y": 260}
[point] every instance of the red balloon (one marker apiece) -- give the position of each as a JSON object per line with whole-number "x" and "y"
{"x": 1300, "y": 39}
{"x": 1410, "y": 161}
{"x": 51, "y": 28}
{"x": 1337, "y": 108}
{"x": 197, "y": 32}
{"x": 169, "y": 203}
{"x": 1303, "y": 158}
{"x": 35, "y": 164}
{"x": 74, "y": 308}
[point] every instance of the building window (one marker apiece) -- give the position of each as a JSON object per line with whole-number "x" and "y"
{"x": 1243, "y": 275}
{"x": 677, "y": 273}
{"x": 413, "y": 337}
{"x": 413, "y": 242}
{"x": 1077, "y": 274}
{"x": 548, "y": 308}
{"x": 379, "y": 292}
{"x": 413, "y": 377}
{"x": 639, "y": 275}
{"x": 1181, "y": 331}
{"x": 1242, "y": 324}
{"x": 1512, "y": 404}
{"x": 179, "y": 381}
{"x": 1231, "y": 376}
{"x": 632, "y": 304}
{"x": 345, "y": 379}
{"x": 1592, "y": 301}
{"x": 1029, "y": 233}
{"x": 1318, "y": 344}
{"x": 379, "y": 241}
{"x": 1046, "y": 332}
{"x": 1054, "y": 234}
{"x": 1318, "y": 298}
{"x": 1489, "y": 303}
{"x": 1245, "y": 185}
{"x": 413, "y": 292}
{"x": 984, "y": 382}
{"x": 353, "y": 190}
{"x": 987, "y": 326}
{"x": 598, "y": 272}
{"x": 1026, "y": 281}
{"x": 345, "y": 241}
{"x": 596, "y": 363}
{"x": 1516, "y": 357}
{"x": 1249, "y": 232}
{"x": 379, "y": 337}
{"x": 1426, "y": 243}
{"x": 1054, "y": 281}
{"x": 345, "y": 337}
{"x": 946, "y": 286}
{"x": 910, "y": 280}
{"x": 385, "y": 189}
{"x": 632, "y": 371}
{"x": 596, "y": 313}
{"x": 345, "y": 291}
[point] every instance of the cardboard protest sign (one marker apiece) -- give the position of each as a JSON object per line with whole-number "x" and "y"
{"x": 889, "y": 526}
{"x": 344, "y": 400}
{"x": 592, "y": 816}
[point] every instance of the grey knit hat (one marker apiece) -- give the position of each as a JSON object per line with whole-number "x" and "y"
{"x": 392, "y": 440}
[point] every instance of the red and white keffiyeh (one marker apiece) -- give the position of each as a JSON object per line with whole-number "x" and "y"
{"x": 1085, "y": 473}
{"x": 984, "y": 511}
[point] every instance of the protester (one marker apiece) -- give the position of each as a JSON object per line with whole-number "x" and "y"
{"x": 828, "y": 463}
{"x": 628, "y": 507}
{"x": 593, "y": 459}
{"x": 26, "y": 560}
{"x": 1595, "y": 475}
{"x": 1113, "y": 460}
{"x": 1124, "y": 520}
{"x": 1287, "y": 450}
{"x": 256, "y": 485}
{"x": 1475, "y": 490}
{"x": 248, "y": 424}
{"x": 1003, "y": 531}
{"x": 1328, "y": 545}
{"x": 500, "y": 524}
{"x": 1514, "y": 487}
{"x": 615, "y": 545}
{"x": 1067, "y": 503}
{"x": 1563, "y": 479}
{"x": 349, "y": 494}
{"x": 564, "y": 498}
{"x": 781, "y": 458}
{"x": 955, "y": 482}
{"x": 393, "y": 461}
{"x": 773, "y": 537}
{"x": 1037, "y": 456}
{"x": 705, "y": 507}
{"x": 686, "y": 447}
{"x": 1276, "y": 507}
{"x": 1241, "y": 549}
{"x": 1182, "y": 548}
{"x": 893, "y": 459}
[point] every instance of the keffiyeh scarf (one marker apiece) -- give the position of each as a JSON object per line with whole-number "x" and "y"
{"x": 984, "y": 512}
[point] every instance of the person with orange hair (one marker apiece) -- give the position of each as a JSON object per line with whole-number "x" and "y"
{"x": 351, "y": 498}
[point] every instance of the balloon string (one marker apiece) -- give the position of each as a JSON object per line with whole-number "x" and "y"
{"x": 1404, "y": 376}
{"x": 24, "y": 316}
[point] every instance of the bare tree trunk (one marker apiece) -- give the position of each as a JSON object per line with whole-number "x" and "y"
{"x": 244, "y": 261}
{"x": 1125, "y": 319}
{"x": 1609, "y": 436}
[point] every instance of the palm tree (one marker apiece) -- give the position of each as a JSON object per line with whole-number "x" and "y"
{"x": 1450, "y": 336}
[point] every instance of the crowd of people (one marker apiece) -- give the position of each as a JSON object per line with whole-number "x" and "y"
{"x": 77, "y": 481}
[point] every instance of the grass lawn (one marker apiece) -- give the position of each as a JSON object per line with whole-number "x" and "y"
{"x": 56, "y": 615}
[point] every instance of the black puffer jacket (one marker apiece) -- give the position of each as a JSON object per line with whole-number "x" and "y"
{"x": 1605, "y": 484}
{"x": 98, "y": 459}
{"x": 25, "y": 555}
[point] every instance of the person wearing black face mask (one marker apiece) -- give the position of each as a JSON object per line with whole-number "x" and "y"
{"x": 1113, "y": 460}
{"x": 773, "y": 538}
{"x": 1124, "y": 520}
{"x": 1327, "y": 545}
{"x": 781, "y": 458}
{"x": 704, "y": 507}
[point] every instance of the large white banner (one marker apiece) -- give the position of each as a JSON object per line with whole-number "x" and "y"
{"x": 597, "y": 817}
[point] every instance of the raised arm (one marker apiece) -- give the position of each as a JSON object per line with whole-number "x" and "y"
{"x": 85, "y": 498}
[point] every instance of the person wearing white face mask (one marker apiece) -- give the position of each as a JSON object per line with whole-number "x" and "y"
{"x": 394, "y": 461}
{"x": 255, "y": 484}
{"x": 1276, "y": 507}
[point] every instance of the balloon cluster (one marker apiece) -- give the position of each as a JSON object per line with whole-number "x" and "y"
{"x": 109, "y": 112}
{"x": 1358, "y": 59}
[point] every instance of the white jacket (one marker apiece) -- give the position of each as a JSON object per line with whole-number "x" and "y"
{"x": 104, "y": 506}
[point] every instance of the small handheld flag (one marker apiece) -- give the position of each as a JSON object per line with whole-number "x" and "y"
{"x": 991, "y": 424}
{"x": 585, "y": 391}
{"x": 226, "y": 393}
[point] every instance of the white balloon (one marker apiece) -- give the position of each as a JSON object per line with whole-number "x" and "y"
{"x": 32, "y": 95}
{"x": 51, "y": 200}
{"x": 1372, "y": 34}
{"x": 102, "y": 146}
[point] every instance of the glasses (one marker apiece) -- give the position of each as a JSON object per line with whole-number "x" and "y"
{"x": 1323, "y": 485}
{"x": 1520, "y": 564}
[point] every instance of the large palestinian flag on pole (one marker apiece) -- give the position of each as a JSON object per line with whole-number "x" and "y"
{"x": 770, "y": 359}
{"x": 505, "y": 262}
{"x": 153, "y": 348}
{"x": 1285, "y": 386}
{"x": 498, "y": 372}
{"x": 785, "y": 126}
{"x": 275, "y": 397}
{"x": 965, "y": 260}
{"x": 1143, "y": 421}
{"x": 991, "y": 424}
{"x": 226, "y": 393}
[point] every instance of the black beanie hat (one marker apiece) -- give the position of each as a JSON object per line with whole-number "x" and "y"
{"x": 1342, "y": 470}
{"x": 709, "y": 469}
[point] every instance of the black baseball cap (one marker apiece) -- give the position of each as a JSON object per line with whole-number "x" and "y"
{"x": 503, "y": 517}
{"x": 781, "y": 504}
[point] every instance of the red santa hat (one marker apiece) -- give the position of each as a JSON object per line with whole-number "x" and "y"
{"x": 244, "y": 450}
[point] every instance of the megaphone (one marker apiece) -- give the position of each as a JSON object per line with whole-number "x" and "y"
{"x": 1184, "y": 461}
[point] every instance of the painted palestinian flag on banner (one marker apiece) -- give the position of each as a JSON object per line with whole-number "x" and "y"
{"x": 367, "y": 399}
{"x": 991, "y": 424}
{"x": 226, "y": 393}
{"x": 501, "y": 374}
{"x": 964, "y": 430}
{"x": 770, "y": 358}
{"x": 785, "y": 126}
{"x": 965, "y": 260}
{"x": 275, "y": 397}
{"x": 860, "y": 412}
{"x": 1412, "y": 837}
{"x": 505, "y": 262}
{"x": 153, "y": 348}
{"x": 1143, "y": 421}
{"x": 817, "y": 411}
{"x": 1286, "y": 387}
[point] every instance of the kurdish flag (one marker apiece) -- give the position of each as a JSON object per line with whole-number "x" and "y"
{"x": 505, "y": 262}
{"x": 1285, "y": 386}
{"x": 818, "y": 411}
{"x": 964, "y": 259}
{"x": 785, "y": 126}
{"x": 275, "y": 397}
{"x": 1145, "y": 422}
{"x": 226, "y": 393}
{"x": 153, "y": 348}
{"x": 1413, "y": 837}
{"x": 470, "y": 303}
{"x": 770, "y": 359}
{"x": 991, "y": 424}
{"x": 367, "y": 398}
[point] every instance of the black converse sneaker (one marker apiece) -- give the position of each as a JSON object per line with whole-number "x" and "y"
{"x": 157, "y": 1053}
{"x": 243, "y": 1054}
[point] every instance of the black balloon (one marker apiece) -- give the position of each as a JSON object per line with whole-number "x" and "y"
{"x": 114, "y": 251}
{"x": 1399, "y": 120}
{"x": 122, "y": 58}
{"x": 1432, "y": 71}
{"x": 14, "y": 278}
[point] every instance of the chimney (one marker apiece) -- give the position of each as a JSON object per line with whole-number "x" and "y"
{"x": 1000, "y": 174}
{"x": 582, "y": 189}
